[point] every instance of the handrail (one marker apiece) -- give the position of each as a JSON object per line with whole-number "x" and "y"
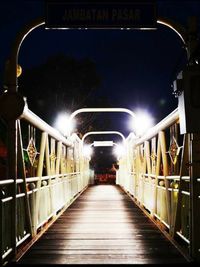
{"x": 43, "y": 126}
{"x": 83, "y": 110}
{"x": 177, "y": 28}
{"x": 35, "y": 179}
{"x": 166, "y": 122}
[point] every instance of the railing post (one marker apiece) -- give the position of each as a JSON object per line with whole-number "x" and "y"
{"x": 1, "y": 234}
{"x": 21, "y": 165}
{"x": 165, "y": 173}
{"x": 194, "y": 155}
{"x": 39, "y": 175}
{"x": 58, "y": 158}
{"x": 183, "y": 172}
{"x": 12, "y": 173}
{"x": 194, "y": 170}
{"x": 11, "y": 86}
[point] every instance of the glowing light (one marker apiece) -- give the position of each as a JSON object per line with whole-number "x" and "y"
{"x": 103, "y": 143}
{"x": 19, "y": 70}
{"x": 87, "y": 151}
{"x": 63, "y": 124}
{"x": 142, "y": 122}
{"x": 119, "y": 150}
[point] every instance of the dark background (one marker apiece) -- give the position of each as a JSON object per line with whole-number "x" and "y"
{"x": 136, "y": 68}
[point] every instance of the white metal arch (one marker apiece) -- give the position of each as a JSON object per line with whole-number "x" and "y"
{"x": 85, "y": 110}
{"x": 11, "y": 71}
{"x": 177, "y": 28}
{"x": 102, "y": 132}
{"x": 111, "y": 144}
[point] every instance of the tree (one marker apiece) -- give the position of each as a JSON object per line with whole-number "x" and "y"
{"x": 94, "y": 121}
{"x": 64, "y": 83}
{"x": 61, "y": 83}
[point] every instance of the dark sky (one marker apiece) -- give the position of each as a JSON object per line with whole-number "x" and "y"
{"x": 137, "y": 67}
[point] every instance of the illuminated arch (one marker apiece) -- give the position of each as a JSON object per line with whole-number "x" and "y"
{"x": 102, "y": 132}
{"x": 11, "y": 70}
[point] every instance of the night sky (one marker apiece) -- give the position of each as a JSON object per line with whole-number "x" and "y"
{"x": 137, "y": 67}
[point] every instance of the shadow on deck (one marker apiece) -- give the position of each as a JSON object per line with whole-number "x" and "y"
{"x": 103, "y": 226}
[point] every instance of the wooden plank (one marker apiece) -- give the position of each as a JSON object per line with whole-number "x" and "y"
{"x": 96, "y": 231}
{"x": 122, "y": 251}
{"x": 96, "y": 243}
{"x": 102, "y": 236}
{"x": 100, "y": 231}
{"x": 100, "y": 220}
{"x": 99, "y": 259}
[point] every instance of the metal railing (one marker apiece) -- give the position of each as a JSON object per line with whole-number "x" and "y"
{"x": 154, "y": 171}
{"x": 51, "y": 173}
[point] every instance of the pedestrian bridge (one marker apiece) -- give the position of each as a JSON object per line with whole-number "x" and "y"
{"x": 53, "y": 212}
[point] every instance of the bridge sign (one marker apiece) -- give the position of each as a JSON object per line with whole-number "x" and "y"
{"x": 111, "y": 15}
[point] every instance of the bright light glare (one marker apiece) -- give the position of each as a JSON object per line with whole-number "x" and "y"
{"x": 63, "y": 124}
{"x": 119, "y": 150}
{"x": 87, "y": 151}
{"x": 103, "y": 143}
{"x": 142, "y": 122}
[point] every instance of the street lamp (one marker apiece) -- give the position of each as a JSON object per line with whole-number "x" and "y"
{"x": 64, "y": 124}
{"x": 119, "y": 150}
{"x": 87, "y": 151}
{"x": 142, "y": 122}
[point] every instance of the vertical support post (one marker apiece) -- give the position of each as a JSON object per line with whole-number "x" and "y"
{"x": 194, "y": 170}
{"x": 137, "y": 177}
{"x": 58, "y": 158}
{"x": 53, "y": 156}
{"x": 23, "y": 173}
{"x": 193, "y": 41}
{"x": 143, "y": 164}
{"x": 80, "y": 166}
{"x": 48, "y": 166}
{"x": 194, "y": 156}
{"x": 12, "y": 174}
{"x": 183, "y": 171}
{"x": 147, "y": 154}
{"x": 158, "y": 159}
{"x": 165, "y": 172}
{"x": 39, "y": 175}
{"x": 11, "y": 84}
{"x": 1, "y": 235}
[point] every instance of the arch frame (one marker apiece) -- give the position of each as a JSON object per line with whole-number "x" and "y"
{"x": 102, "y": 132}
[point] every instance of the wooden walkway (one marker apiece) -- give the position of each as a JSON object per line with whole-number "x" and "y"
{"x": 103, "y": 226}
